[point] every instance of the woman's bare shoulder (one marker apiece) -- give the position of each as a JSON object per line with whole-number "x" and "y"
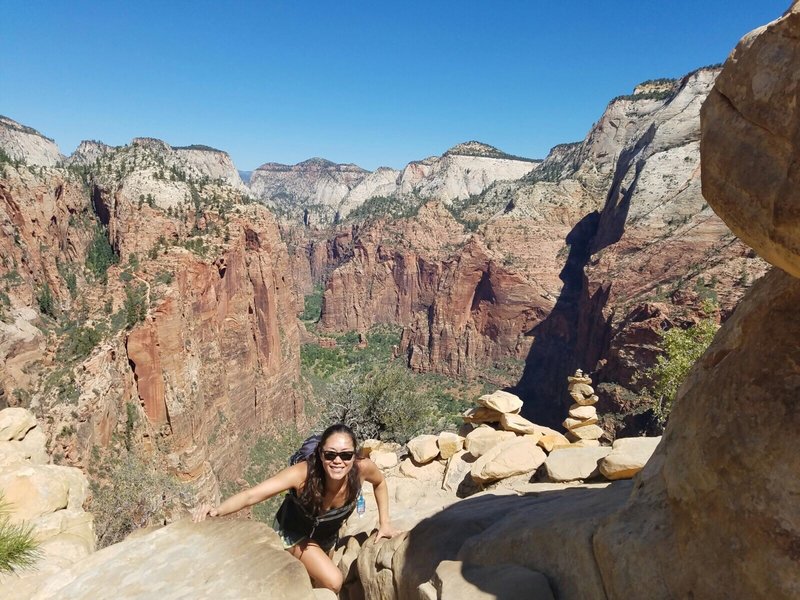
{"x": 367, "y": 469}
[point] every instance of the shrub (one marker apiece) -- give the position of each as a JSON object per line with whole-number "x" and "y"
{"x": 135, "y": 305}
{"x": 127, "y": 494}
{"x": 385, "y": 405}
{"x": 100, "y": 254}
{"x": 79, "y": 341}
{"x": 681, "y": 349}
{"x": 47, "y": 305}
{"x": 312, "y": 306}
{"x": 18, "y": 547}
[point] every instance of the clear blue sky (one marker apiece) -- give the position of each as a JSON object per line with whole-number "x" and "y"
{"x": 374, "y": 83}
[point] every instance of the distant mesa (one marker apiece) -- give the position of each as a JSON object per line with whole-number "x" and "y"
{"x": 475, "y": 148}
{"x": 12, "y": 124}
{"x": 22, "y": 143}
{"x": 200, "y": 147}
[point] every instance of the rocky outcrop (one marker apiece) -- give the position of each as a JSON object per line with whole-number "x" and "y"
{"x": 685, "y": 519}
{"x": 319, "y": 192}
{"x": 213, "y": 559}
{"x": 179, "y": 343}
{"x": 744, "y": 115}
{"x": 648, "y": 260}
{"x": 23, "y": 143}
{"x": 47, "y": 498}
{"x": 314, "y": 189}
{"x": 43, "y": 242}
{"x": 147, "y": 164}
{"x": 463, "y": 171}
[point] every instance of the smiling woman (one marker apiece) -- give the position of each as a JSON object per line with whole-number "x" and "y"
{"x": 322, "y": 494}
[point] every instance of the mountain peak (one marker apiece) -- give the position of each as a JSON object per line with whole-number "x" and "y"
{"x": 476, "y": 148}
{"x": 12, "y": 124}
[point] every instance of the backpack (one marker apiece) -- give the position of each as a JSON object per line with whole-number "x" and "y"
{"x": 305, "y": 450}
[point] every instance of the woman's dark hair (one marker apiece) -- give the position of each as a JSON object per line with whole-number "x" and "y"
{"x": 314, "y": 489}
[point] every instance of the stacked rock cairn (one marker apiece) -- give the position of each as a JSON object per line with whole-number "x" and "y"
{"x": 581, "y": 423}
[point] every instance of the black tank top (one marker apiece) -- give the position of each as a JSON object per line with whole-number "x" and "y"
{"x": 293, "y": 516}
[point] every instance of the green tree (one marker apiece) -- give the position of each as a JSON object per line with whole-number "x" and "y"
{"x": 135, "y": 304}
{"x": 45, "y": 299}
{"x": 681, "y": 349}
{"x": 384, "y": 404}
{"x": 100, "y": 254}
{"x": 18, "y": 547}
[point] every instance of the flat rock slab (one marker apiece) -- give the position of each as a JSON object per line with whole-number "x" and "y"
{"x": 570, "y": 464}
{"x": 214, "y": 559}
{"x": 456, "y": 581}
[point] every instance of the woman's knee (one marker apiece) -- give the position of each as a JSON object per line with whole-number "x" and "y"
{"x": 332, "y": 580}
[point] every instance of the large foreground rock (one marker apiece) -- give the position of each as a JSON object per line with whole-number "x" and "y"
{"x": 549, "y": 532}
{"x": 712, "y": 518}
{"x": 751, "y": 142}
{"x": 213, "y": 559}
{"x": 628, "y": 456}
{"x": 571, "y": 464}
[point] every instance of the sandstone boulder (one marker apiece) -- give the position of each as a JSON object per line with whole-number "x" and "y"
{"x": 449, "y": 443}
{"x": 704, "y": 504}
{"x": 481, "y": 414}
{"x": 457, "y": 477}
{"x": 551, "y": 440}
{"x": 504, "y": 402}
{"x": 214, "y": 559}
{"x": 628, "y": 456}
{"x": 579, "y": 444}
{"x": 514, "y": 457}
{"x": 424, "y": 448}
{"x": 571, "y": 464}
{"x": 383, "y": 459}
{"x": 431, "y": 471}
{"x": 745, "y": 121}
{"x": 15, "y": 423}
{"x": 582, "y": 413}
{"x": 572, "y": 424}
{"x": 517, "y": 424}
{"x": 589, "y": 432}
{"x": 36, "y": 490}
{"x": 481, "y": 439}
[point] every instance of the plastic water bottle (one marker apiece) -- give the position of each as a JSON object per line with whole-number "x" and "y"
{"x": 361, "y": 505}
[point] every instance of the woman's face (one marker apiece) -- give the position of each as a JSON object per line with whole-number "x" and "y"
{"x": 335, "y": 465}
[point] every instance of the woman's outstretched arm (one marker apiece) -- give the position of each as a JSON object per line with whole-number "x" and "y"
{"x": 291, "y": 477}
{"x": 370, "y": 472}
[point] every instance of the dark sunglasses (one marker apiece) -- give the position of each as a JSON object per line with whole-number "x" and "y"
{"x": 330, "y": 455}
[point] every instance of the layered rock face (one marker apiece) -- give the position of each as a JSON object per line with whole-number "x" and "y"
{"x": 320, "y": 192}
{"x": 463, "y": 171}
{"x": 594, "y": 252}
{"x": 314, "y": 189}
{"x": 645, "y": 261}
{"x": 26, "y": 144}
{"x": 177, "y": 353}
{"x": 707, "y": 519}
{"x": 39, "y": 243}
{"x": 147, "y": 163}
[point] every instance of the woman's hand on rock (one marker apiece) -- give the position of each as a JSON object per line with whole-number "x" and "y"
{"x": 199, "y": 513}
{"x": 386, "y": 531}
